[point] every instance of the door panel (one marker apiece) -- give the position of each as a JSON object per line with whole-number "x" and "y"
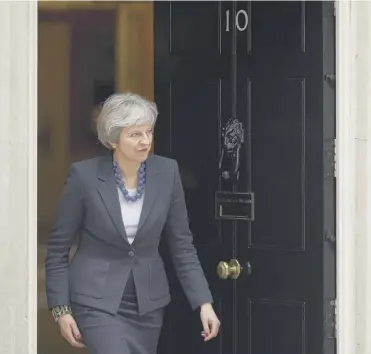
{"x": 277, "y": 27}
{"x": 192, "y": 75}
{"x": 280, "y": 80}
{"x": 270, "y": 76}
{"x": 277, "y": 125}
{"x": 194, "y": 29}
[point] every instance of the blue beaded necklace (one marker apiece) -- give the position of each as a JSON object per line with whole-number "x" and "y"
{"x": 141, "y": 182}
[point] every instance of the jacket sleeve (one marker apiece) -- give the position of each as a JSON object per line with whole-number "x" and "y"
{"x": 182, "y": 250}
{"x": 66, "y": 225}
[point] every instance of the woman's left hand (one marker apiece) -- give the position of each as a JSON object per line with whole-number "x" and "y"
{"x": 210, "y": 322}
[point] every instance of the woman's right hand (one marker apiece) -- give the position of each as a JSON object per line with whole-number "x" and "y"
{"x": 70, "y": 331}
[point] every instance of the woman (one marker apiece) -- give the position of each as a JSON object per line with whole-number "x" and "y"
{"x": 116, "y": 287}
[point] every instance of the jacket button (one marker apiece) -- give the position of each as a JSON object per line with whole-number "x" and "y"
{"x": 131, "y": 254}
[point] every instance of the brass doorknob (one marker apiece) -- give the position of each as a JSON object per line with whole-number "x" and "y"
{"x": 231, "y": 269}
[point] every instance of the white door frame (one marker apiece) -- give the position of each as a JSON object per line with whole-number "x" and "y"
{"x": 18, "y": 183}
{"x": 345, "y": 171}
{"x": 353, "y": 118}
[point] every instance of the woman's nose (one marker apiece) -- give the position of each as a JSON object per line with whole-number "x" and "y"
{"x": 146, "y": 140}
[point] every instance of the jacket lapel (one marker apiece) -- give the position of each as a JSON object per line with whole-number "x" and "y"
{"x": 108, "y": 192}
{"x": 150, "y": 190}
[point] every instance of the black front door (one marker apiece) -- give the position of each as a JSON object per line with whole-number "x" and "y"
{"x": 246, "y": 102}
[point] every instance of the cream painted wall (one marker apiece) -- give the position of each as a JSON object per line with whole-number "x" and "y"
{"x": 18, "y": 159}
{"x": 362, "y": 114}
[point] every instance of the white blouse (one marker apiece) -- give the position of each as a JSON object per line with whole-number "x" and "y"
{"x": 130, "y": 213}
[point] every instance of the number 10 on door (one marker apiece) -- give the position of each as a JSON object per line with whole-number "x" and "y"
{"x": 242, "y": 20}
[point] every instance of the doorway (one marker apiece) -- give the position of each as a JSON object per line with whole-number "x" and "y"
{"x": 86, "y": 51}
{"x": 245, "y": 92}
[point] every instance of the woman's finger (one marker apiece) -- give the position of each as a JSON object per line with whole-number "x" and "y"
{"x": 74, "y": 342}
{"x": 214, "y": 328}
{"x": 205, "y": 325}
{"x": 75, "y": 331}
{"x": 68, "y": 335}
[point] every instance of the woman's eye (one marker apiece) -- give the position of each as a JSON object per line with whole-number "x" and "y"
{"x": 134, "y": 134}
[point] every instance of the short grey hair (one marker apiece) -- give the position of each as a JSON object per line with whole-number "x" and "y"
{"x": 121, "y": 111}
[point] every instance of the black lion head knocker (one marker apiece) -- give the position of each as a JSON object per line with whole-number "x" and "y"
{"x": 233, "y": 138}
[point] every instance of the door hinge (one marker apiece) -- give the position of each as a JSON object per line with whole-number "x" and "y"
{"x": 335, "y": 154}
{"x": 330, "y": 237}
{"x": 330, "y": 158}
{"x": 330, "y": 78}
{"x": 335, "y": 8}
{"x": 330, "y": 319}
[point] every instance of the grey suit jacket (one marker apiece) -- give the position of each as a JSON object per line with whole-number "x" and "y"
{"x": 89, "y": 206}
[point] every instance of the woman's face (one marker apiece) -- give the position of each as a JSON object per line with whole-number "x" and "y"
{"x": 135, "y": 142}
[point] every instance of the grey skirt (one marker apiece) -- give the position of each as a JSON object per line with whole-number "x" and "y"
{"x": 123, "y": 333}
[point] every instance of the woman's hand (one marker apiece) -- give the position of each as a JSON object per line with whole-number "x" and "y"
{"x": 210, "y": 322}
{"x": 69, "y": 331}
